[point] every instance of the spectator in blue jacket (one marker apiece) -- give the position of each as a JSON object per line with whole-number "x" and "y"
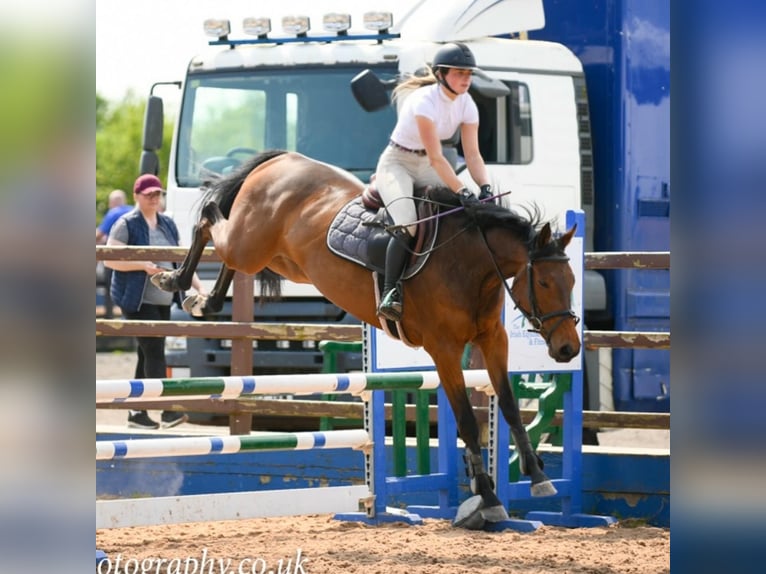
{"x": 132, "y": 290}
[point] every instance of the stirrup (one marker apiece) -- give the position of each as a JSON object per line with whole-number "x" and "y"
{"x": 391, "y": 306}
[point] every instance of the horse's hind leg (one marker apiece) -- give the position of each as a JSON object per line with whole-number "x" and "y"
{"x": 180, "y": 279}
{"x": 200, "y": 305}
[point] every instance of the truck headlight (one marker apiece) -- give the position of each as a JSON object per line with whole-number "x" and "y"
{"x": 378, "y": 21}
{"x": 217, "y": 28}
{"x": 297, "y": 25}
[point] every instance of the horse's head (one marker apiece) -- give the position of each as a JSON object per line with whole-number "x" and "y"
{"x": 542, "y": 290}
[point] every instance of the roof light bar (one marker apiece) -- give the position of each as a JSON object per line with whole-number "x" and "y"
{"x": 257, "y": 26}
{"x": 336, "y": 22}
{"x": 380, "y": 21}
{"x": 297, "y": 25}
{"x": 217, "y": 28}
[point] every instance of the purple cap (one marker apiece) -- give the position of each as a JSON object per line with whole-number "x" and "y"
{"x": 147, "y": 183}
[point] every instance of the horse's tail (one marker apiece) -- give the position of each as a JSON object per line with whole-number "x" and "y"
{"x": 223, "y": 190}
{"x": 271, "y": 285}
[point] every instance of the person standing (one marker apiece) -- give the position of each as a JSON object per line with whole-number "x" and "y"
{"x": 133, "y": 291}
{"x": 118, "y": 207}
{"x": 436, "y": 105}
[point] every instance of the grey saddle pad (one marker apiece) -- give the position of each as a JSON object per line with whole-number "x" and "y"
{"x": 348, "y": 237}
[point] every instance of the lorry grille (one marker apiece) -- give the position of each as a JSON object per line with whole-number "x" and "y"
{"x": 586, "y": 145}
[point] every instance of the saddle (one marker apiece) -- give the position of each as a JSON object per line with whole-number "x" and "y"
{"x": 358, "y": 233}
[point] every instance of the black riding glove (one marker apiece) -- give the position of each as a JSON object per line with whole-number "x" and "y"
{"x": 485, "y": 192}
{"x": 467, "y": 198}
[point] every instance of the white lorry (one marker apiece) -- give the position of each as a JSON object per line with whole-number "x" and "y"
{"x": 288, "y": 85}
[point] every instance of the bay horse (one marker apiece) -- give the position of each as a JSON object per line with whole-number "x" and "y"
{"x": 273, "y": 215}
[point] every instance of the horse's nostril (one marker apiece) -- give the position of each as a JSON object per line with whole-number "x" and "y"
{"x": 566, "y": 351}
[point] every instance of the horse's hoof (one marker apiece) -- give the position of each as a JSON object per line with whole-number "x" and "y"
{"x": 544, "y": 488}
{"x": 469, "y": 514}
{"x": 494, "y": 513}
{"x": 193, "y": 306}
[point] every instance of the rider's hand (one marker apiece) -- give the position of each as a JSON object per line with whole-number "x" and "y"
{"x": 485, "y": 192}
{"x": 466, "y": 197}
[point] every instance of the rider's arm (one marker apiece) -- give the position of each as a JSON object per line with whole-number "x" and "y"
{"x": 433, "y": 146}
{"x": 469, "y": 137}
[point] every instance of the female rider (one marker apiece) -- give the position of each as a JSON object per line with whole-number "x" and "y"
{"x": 436, "y": 105}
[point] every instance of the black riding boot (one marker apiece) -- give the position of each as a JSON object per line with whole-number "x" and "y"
{"x": 396, "y": 260}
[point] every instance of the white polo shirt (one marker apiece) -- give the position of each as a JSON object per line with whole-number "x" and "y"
{"x": 431, "y": 102}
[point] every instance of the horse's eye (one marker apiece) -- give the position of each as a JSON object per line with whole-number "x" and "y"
{"x": 543, "y": 284}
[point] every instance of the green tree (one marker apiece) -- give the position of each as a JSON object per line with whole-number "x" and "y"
{"x": 102, "y": 106}
{"x": 119, "y": 128}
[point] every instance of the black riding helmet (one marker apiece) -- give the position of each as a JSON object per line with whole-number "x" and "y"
{"x": 453, "y": 55}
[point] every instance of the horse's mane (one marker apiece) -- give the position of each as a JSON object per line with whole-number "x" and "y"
{"x": 224, "y": 189}
{"x": 525, "y": 225}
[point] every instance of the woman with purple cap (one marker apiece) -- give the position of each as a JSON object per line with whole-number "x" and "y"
{"x": 132, "y": 290}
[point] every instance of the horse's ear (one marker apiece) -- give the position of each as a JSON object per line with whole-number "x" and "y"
{"x": 544, "y": 236}
{"x": 567, "y": 237}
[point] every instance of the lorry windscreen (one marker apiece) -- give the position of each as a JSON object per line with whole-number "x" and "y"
{"x": 226, "y": 117}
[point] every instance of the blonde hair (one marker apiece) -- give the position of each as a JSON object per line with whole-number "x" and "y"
{"x": 412, "y": 82}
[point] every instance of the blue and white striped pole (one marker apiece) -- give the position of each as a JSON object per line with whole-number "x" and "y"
{"x": 194, "y": 446}
{"x": 135, "y": 390}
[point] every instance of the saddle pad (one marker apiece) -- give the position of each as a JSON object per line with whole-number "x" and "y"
{"x": 347, "y": 236}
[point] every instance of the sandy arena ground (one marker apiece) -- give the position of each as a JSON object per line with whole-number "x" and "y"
{"x": 330, "y": 546}
{"x": 319, "y": 544}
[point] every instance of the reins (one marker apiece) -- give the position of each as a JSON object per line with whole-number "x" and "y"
{"x": 441, "y": 213}
{"x": 392, "y": 228}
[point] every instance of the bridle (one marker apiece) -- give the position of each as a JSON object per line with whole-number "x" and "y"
{"x": 534, "y": 317}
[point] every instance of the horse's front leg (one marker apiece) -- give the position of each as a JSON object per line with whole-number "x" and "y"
{"x": 494, "y": 348}
{"x": 451, "y": 375}
{"x": 180, "y": 279}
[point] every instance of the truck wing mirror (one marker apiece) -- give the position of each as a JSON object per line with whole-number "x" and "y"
{"x": 489, "y": 87}
{"x": 153, "y": 120}
{"x": 370, "y": 91}
{"x": 150, "y": 162}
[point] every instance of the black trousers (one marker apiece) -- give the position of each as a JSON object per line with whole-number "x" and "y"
{"x": 151, "y": 350}
{"x": 108, "y": 303}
